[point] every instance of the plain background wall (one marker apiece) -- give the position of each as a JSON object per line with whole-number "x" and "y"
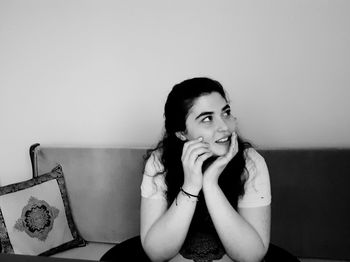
{"x": 97, "y": 73}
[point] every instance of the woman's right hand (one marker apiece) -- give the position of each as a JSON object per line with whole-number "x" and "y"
{"x": 194, "y": 153}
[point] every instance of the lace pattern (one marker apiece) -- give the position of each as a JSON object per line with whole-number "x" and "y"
{"x": 202, "y": 247}
{"x": 202, "y": 243}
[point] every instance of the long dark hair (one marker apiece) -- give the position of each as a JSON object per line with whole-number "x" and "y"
{"x": 179, "y": 102}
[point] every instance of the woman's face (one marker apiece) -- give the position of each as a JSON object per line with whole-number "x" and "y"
{"x": 210, "y": 118}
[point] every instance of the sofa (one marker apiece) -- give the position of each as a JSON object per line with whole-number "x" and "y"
{"x": 310, "y": 197}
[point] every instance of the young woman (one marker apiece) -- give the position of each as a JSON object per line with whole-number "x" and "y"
{"x": 205, "y": 192}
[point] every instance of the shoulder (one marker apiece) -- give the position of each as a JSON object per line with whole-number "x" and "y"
{"x": 257, "y": 184}
{"x": 253, "y": 155}
{"x": 255, "y": 162}
{"x": 153, "y": 183}
{"x": 154, "y": 164}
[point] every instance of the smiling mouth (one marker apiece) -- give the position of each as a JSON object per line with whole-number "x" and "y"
{"x": 223, "y": 140}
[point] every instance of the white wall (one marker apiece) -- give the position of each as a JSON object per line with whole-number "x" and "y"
{"x": 96, "y": 73}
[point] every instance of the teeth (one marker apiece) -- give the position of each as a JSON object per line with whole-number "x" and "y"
{"x": 222, "y": 140}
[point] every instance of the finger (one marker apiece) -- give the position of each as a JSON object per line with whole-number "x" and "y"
{"x": 233, "y": 146}
{"x": 195, "y": 153}
{"x": 189, "y": 143}
{"x": 203, "y": 157}
{"x": 190, "y": 146}
{"x": 230, "y": 152}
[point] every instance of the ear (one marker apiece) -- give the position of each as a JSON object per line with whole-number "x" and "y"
{"x": 181, "y": 136}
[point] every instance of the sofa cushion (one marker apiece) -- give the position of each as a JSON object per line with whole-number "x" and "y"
{"x": 35, "y": 216}
{"x": 92, "y": 251}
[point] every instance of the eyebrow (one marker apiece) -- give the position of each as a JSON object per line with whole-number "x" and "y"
{"x": 226, "y": 107}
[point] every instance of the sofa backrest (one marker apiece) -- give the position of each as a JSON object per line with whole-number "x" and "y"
{"x": 310, "y": 201}
{"x": 310, "y": 195}
{"x": 103, "y": 187}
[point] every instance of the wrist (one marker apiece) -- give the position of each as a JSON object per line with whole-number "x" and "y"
{"x": 210, "y": 186}
{"x": 210, "y": 181}
{"x": 193, "y": 190}
{"x": 189, "y": 195}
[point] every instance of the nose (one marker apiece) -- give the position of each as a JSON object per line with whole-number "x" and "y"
{"x": 222, "y": 125}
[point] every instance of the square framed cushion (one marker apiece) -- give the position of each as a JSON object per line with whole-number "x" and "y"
{"x": 35, "y": 216}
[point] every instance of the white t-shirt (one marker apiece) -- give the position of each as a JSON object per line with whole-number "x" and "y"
{"x": 257, "y": 191}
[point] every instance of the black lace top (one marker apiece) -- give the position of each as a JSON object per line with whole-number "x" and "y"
{"x": 202, "y": 243}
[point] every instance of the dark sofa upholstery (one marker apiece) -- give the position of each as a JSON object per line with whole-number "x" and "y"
{"x": 310, "y": 201}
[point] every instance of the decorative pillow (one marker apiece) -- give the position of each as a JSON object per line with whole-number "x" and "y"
{"x": 35, "y": 217}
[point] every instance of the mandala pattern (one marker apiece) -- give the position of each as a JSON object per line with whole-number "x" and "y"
{"x": 37, "y": 219}
{"x": 5, "y": 244}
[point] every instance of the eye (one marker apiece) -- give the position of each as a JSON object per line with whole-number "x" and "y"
{"x": 207, "y": 119}
{"x": 227, "y": 113}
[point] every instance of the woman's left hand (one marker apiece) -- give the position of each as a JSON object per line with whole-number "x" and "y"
{"x": 211, "y": 175}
